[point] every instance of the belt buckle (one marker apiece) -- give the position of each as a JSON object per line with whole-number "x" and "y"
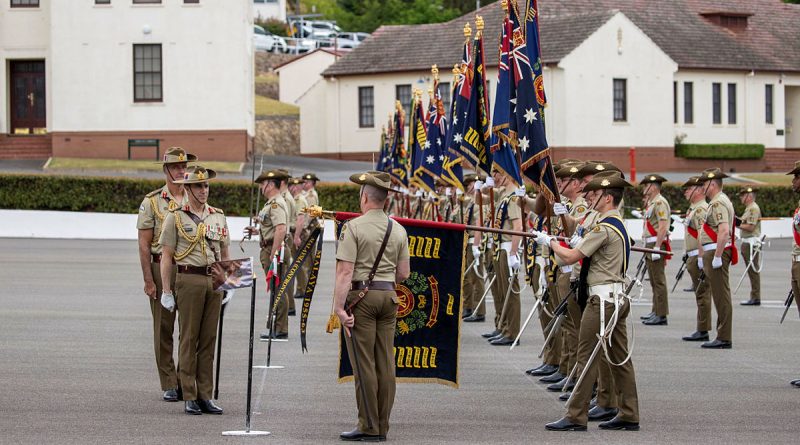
{"x": 208, "y": 271}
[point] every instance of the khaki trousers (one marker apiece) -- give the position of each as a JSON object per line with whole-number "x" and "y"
{"x": 755, "y": 277}
{"x": 163, "y": 330}
{"x": 282, "y": 311}
{"x": 473, "y": 286}
{"x": 624, "y": 376}
{"x": 288, "y": 258}
{"x": 552, "y": 352}
{"x": 507, "y": 322}
{"x": 198, "y": 315}
{"x": 658, "y": 283}
{"x": 373, "y": 335}
{"x": 571, "y": 326}
{"x": 606, "y": 389}
{"x": 702, "y": 292}
{"x": 720, "y": 292}
{"x": 796, "y": 284}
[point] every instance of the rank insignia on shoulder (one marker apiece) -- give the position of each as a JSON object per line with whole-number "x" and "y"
{"x": 581, "y": 209}
{"x": 274, "y": 205}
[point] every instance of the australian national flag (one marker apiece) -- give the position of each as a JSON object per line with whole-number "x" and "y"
{"x": 475, "y": 132}
{"x": 424, "y": 158}
{"x": 503, "y": 155}
{"x": 526, "y": 66}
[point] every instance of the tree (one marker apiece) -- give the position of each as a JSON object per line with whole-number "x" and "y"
{"x": 368, "y": 15}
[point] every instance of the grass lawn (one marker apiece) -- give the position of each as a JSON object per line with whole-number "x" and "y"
{"x": 121, "y": 165}
{"x": 768, "y": 178}
{"x": 267, "y": 78}
{"x": 271, "y": 107}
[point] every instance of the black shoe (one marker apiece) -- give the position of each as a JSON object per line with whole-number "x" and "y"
{"x": 490, "y": 334}
{"x": 474, "y": 318}
{"x": 496, "y": 337}
{"x": 751, "y": 302}
{"x": 275, "y": 336}
{"x": 543, "y": 370}
{"x": 209, "y": 407}
{"x": 171, "y": 395}
{"x": 358, "y": 436}
{"x": 503, "y": 341}
{"x": 617, "y": 424}
{"x": 299, "y": 296}
{"x": 564, "y": 425}
{"x": 697, "y": 336}
{"x": 650, "y": 315}
{"x": 592, "y": 403}
{"x": 795, "y": 383}
{"x": 600, "y": 414}
{"x": 689, "y": 289}
{"x": 717, "y": 344}
{"x": 466, "y": 313}
{"x": 191, "y": 407}
{"x": 655, "y": 320}
{"x": 553, "y": 378}
{"x": 565, "y": 396}
{"x": 563, "y": 385}
{"x": 292, "y": 313}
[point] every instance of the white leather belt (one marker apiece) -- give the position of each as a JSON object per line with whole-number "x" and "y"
{"x": 506, "y": 246}
{"x": 753, "y": 241}
{"x": 607, "y": 292}
{"x": 712, "y": 246}
{"x": 693, "y": 253}
{"x": 566, "y": 269}
{"x": 796, "y": 258}
{"x": 651, "y": 239}
{"x": 471, "y": 240}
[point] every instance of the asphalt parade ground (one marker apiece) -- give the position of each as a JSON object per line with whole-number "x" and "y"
{"x": 77, "y": 367}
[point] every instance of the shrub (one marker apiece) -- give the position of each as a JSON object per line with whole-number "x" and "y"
{"x": 273, "y": 26}
{"x": 719, "y": 151}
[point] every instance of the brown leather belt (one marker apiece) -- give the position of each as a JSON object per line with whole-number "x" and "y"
{"x": 265, "y": 243}
{"x": 156, "y": 258}
{"x": 376, "y": 285}
{"x": 195, "y": 270}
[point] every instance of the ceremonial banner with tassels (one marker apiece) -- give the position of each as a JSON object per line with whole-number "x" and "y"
{"x": 476, "y": 133}
{"x": 427, "y": 333}
{"x": 310, "y": 287}
{"x": 299, "y": 259}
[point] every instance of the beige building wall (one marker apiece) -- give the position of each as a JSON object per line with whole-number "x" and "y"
{"x": 297, "y": 76}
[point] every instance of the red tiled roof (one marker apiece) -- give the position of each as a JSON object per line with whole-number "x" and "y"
{"x": 771, "y": 41}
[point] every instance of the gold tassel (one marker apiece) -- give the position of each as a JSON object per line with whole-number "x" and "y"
{"x": 333, "y": 323}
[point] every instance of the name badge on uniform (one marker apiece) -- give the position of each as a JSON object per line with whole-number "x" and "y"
{"x": 188, "y": 228}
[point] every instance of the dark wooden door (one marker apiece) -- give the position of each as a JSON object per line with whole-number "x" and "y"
{"x": 28, "y": 100}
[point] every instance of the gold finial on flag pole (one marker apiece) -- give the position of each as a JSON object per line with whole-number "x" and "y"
{"x": 467, "y": 31}
{"x": 435, "y": 72}
{"x": 456, "y": 73}
{"x": 478, "y": 26}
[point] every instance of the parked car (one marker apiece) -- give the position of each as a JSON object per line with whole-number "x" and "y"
{"x": 263, "y": 40}
{"x": 349, "y": 40}
{"x": 324, "y": 30}
{"x": 297, "y": 46}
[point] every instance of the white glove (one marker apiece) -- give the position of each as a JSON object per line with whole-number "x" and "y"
{"x": 520, "y": 191}
{"x": 716, "y": 263}
{"x": 700, "y": 262}
{"x": 476, "y": 251}
{"x": 637, "y": 214}
{"x": 227, "y": 297}
{"x": 490, "y": 182}
{"x": 560, "y": 209}
{"x": 418, "y": 194}
{"x": 574, "y": 240}
{"x": 478, "y": 185}
{"x": 448, "y": 191}
{"x": 543, "y": 239}
{"x": 655, "y": 256}
{"x": 513, "y": 262}
{"x": 168, "y": 301}
{"x": 459, "y": 192}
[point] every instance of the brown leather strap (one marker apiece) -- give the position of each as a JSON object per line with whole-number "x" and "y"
{"x": 375, "y": 285}
{"x": 374, "y": 267}
{"x": 195, "y": 270}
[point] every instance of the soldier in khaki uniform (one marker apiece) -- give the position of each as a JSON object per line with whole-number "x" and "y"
{"x": 372, "y": 320}
{"x": 273, "y": 220}
{"x": 155, "y": 207}
{"x": 750, "y": 232}
{"x": 795, "y": 282}
{"x": 473, "y": 287}
{"x": 656, "y": 236}
{"x": 606, "y": 247}
{"x": 288, "y": 251}
{"x": 506, "y": 262}
{"x": 719, "y": 252}
{"x": 694, "y": 220}
{"x": 312, "y": 199}
{"x": 195, "y": 236}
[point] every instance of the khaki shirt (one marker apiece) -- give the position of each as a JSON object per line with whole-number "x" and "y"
{"x": 300, "y": 203}
{"x": 607, "y": 251}
{"x": 696, "y": 217}
{"x": 155, "y": 207}
{"x": 196, "y": 244}
{"x": 360, "y": 240}
{"x": 796, "y": 227}
{"x": 751, "y": 215}
{"x": 720, "y": 210}
{"x": 579, "y": 208}
{"x": 585, "y": 225}
{"x": 311, "y": 197}
{"x": 291, "y": 209}
{"x": 657, "y": 210}
{"x": 272, "y": 215}
{"x": 470, "y": 206}
{"x": 511, "y": 202}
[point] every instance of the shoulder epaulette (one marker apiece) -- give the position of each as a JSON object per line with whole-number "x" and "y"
{"x": 153, "y": 193}
{"x": 216, "y": 210}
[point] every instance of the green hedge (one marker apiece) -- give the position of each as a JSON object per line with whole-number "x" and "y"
{"x": 719, "y": 151}
{"x": 124, "y": 195}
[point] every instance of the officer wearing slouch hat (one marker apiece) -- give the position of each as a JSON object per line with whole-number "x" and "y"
{"x": 366, "y": 303}
{"x": 750, "y": 232}
{"x": 273, "y": 223}
{"x": 795, "y": 281}
{"x": 694, "y": 220}
{"x": 195, "y": 236}
{"x": 719, "y": 252}
{"x": 605, "y": 251}
{"x": 152, "y": 212}
{"x": 656, "y": 235}
{"x": 473, "y": 287}
{"x": 288, "y": 251}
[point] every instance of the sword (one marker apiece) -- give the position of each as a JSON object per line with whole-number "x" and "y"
{"x": 559, "y": 314}
{"x": 754, "y": 251}
{"x": 637, "y": 277}
{"x": 485, "y": 293}
{"x": 511, "y": 279}
{"x": 539, "y": 301}
{"x": 788, "y": 304}
{"x": 680, "y": 272}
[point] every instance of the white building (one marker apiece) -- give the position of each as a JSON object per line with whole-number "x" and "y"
{"x": 298, "y": 75}
{"x": 269, "y": 9}
{"x": 85, "y": 78}
{"x": 618, "y": 74}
